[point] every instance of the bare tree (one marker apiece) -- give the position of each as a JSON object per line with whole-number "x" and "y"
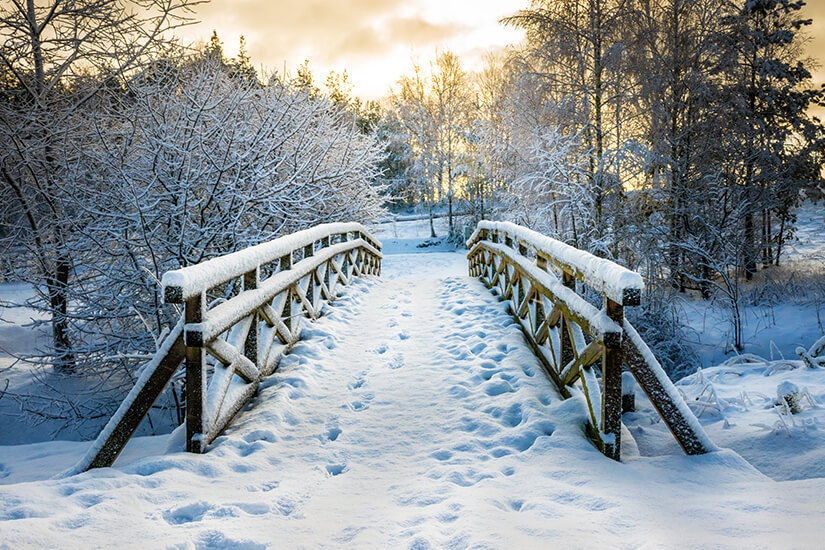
{"x": 57, "y": 56}
{"x": 450, "y": 89}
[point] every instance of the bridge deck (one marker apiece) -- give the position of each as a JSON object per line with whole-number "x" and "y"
{"x": 412, "y": 415}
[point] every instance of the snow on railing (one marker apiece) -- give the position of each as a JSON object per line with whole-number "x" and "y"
{"x": 244, "y": 310}
{"x": 537, "y": 275}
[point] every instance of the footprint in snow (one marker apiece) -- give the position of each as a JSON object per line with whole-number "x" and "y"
{"x": 263, "y": 487}
{"x": 442, "y": 455}
{"x": 358, "y": 406}
{"x": 397, "y": 361}
{"x": 356, "y": 383}
{"x": 498, "y": 387}
{"x": 187, "y": 513}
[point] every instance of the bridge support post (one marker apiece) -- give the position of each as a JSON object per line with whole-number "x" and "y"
{"x": 250, "y": 282}
{"x": 194, "y": 309}
{"x": 612, "y": 388}
{"x": 567, "y": 355}
{"x": 286, "y": 265}
{"x": 309, "y": 250}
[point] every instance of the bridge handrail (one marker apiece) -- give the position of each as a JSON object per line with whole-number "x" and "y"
{"x": 619, "y": 283}
{"x": 246, "y": 334}
{"x": 556, "y": 322}
{"x": 182, "y": 284}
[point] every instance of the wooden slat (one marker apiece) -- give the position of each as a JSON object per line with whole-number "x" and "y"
{"x": 230, "y": 355}
{"x": 549, "y": 369}
{"x": 676, "y": 415}
{"x": 232, "y": 406}
{"x": 592, "y": 392}
{"x": 588, "y": 356}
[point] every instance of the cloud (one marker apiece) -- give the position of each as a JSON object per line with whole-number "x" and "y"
{"x": 388, "y": 35}
{"x": 414, "y": 30}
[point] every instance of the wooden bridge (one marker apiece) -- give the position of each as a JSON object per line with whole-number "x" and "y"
{"x": 246, "y": 310}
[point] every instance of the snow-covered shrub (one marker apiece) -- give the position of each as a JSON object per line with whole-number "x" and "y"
{"x": 815, "y": 356}
{"x": 788, "y": 393}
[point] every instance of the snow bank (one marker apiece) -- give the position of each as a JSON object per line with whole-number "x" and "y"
{"x": 413, "y": 416}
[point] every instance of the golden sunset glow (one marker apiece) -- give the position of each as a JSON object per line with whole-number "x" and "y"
{"x": 374, "y": 40}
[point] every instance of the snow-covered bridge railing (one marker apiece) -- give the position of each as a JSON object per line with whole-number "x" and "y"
{"x": 244, "y": 309}
{"x": 537, "y": 275}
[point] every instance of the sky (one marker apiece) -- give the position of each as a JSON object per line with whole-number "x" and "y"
{"x": 815, "y": 9}
{"x": 376, "y": 41}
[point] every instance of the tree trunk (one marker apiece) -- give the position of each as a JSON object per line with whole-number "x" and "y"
{"x": 57, "y": 285}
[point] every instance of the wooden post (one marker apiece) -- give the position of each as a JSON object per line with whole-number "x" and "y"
{"x": 612, "y": 388}
{"x": 196, "y": 428}
{"x": 309, "y": 250}
{"x": 522, "y": 250}
{"x": 286, "y": 265}
{"x": 567, "y": 355}
{"x": 250, "y": 282}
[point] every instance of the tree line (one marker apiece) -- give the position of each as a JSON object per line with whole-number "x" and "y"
{"x": 672, "y": 135}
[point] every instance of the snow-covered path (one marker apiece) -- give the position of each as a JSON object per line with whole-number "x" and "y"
{"x": 413, "y": 415}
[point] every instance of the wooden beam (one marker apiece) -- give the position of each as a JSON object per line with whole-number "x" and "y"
{"x": 676, "y": 418}
{"x": 195, "y": 381}
{"x": 132, "y": 411}
{"x": 612, "y": 388}
{"x": 587, "y": 357}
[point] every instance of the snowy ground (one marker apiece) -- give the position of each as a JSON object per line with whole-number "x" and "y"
{"x": 413, "y": 415}
{"x": 793, "y": 314}
{"x": 738, "y": 405}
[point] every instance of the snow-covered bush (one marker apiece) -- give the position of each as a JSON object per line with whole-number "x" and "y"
{"x": 182, "y": 163}
{"x": 657, "y": 322}
{"x": 787, "y": 393}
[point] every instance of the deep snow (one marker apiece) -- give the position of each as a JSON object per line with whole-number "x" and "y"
{"x": 413, "y": 415}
